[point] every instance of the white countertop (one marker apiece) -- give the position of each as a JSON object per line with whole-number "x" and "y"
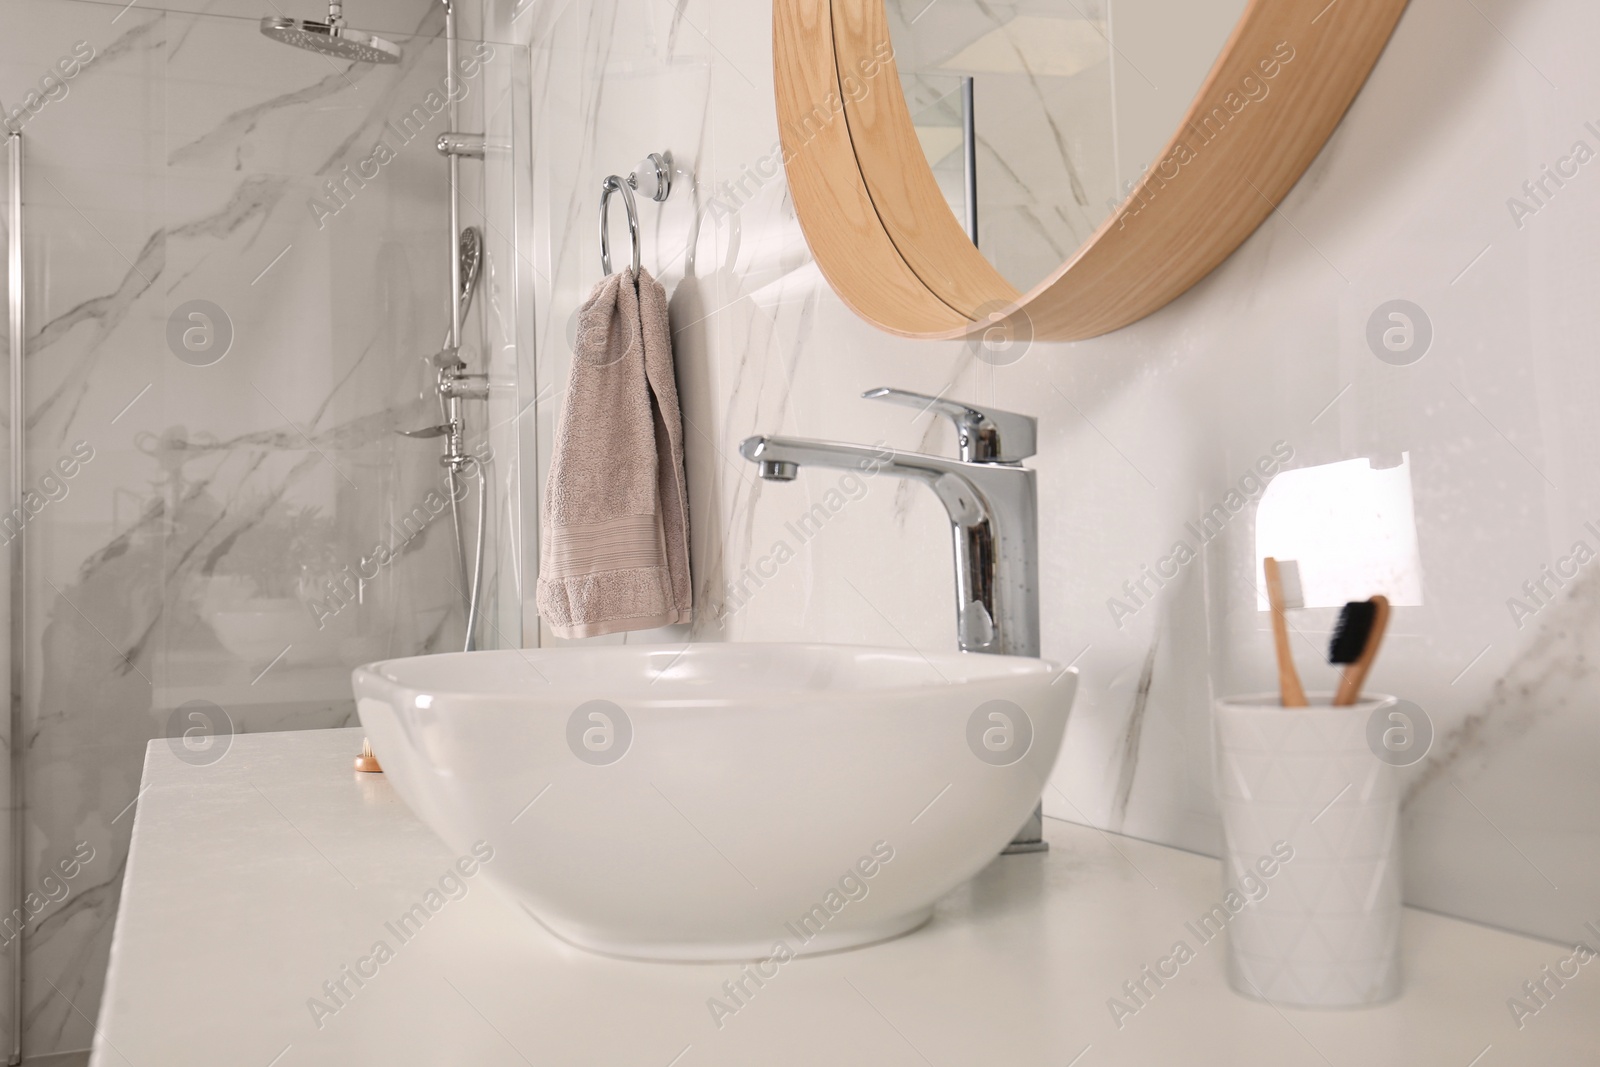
{"x": 253, "y": 881}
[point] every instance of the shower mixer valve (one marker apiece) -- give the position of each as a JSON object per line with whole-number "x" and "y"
{"x": 453, "y": 384}
{"x": 454, "y": 381}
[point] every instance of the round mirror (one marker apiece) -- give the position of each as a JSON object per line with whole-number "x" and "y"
{"x": 1110, "y": 152}
{"x": 1038, "y": 117}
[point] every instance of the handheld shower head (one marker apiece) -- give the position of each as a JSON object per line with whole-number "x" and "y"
{"x": 471, "y": 263}
{"x": 331, "y": 38}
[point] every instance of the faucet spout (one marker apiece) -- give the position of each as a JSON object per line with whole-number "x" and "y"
{"x": 993, "y": 512}
{"x": 803, "y": 452}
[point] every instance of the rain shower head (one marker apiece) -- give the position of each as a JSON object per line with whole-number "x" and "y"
{"x": 331, "y": 38}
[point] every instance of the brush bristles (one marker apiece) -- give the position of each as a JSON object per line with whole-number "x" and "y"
{"x": 1294, "y": 597}
{"x": 1350, "y": 636}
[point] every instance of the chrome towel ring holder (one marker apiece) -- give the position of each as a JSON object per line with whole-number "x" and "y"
{"x": 653, "y": 178}
{"x": 614, "y": 184}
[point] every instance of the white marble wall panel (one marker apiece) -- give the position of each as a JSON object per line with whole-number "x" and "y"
{"x": 1145, "y": 430}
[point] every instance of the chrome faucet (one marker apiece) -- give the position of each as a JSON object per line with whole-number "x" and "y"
{"x": 992, "y": 501}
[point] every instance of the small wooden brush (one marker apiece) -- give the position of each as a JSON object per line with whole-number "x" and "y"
{"x": 1355, "y": 642}
{"x": 1284, "y": 594}
{"x": 367, "y": 762}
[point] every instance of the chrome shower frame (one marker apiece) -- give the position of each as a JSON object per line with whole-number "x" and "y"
{"x": 19, "y": 424}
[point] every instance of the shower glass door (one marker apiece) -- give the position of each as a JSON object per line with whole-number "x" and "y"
{"x": 237, "y": 274}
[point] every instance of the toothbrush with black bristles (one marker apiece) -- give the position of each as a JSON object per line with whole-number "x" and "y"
{"x": 1355, "y": 643}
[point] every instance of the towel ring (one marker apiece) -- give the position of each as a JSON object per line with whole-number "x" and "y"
{"x": 614, "y": 184}
{"x": 657, "y": 184}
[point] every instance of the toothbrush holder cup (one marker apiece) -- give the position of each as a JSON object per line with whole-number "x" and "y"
{"x": 1303, "y": 796}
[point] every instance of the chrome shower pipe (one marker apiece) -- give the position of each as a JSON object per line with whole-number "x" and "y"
{"x": 452, "y": 399}
{"x": 455, "y": 175}
{"x": 19, "y": 424}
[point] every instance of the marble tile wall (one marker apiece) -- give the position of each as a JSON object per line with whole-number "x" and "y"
{"x": 1144, "y": 431}
{"x": 221, "y": 484}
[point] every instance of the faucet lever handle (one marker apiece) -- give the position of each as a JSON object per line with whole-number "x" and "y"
{"x": 988, "y": 435}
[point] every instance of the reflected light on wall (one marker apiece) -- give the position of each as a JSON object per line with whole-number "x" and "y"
{"x": 1351, "y": 527}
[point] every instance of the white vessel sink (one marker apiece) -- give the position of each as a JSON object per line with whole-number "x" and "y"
{"x": 717, "y": 801}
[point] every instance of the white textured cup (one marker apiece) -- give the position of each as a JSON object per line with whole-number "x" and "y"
{"x": 1324, "y": 929}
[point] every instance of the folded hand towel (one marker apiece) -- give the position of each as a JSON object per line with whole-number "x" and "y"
{"x": 615, "y": 550}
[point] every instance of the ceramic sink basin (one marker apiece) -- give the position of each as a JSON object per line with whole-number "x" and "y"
{"x": 717, "y": 801}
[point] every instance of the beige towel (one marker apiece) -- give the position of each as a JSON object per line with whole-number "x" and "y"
{"x": 615, "y": 551}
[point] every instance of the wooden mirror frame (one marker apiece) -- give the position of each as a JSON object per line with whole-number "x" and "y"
{"x": 889, "y": 245}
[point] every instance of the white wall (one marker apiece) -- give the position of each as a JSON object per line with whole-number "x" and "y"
{"x": 1144, "y": 430}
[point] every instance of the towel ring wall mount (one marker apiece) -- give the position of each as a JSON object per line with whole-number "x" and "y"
{"x": 653, "y": 178}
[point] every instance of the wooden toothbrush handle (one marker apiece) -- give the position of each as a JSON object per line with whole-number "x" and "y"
{"x": 1289, "y": 690}
{"x": 1355, "y": 675}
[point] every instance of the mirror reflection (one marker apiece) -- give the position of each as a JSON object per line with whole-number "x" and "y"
{"x": 1038, "y": 117}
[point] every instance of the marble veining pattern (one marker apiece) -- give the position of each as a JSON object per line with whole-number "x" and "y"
{"x": 1144, "y": 430}
{"x": 183, "y": 164}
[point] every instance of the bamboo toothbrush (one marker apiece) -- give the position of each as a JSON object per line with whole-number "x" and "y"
{"x": 1283, "y": 593}
{"x": 1355, "y": 642}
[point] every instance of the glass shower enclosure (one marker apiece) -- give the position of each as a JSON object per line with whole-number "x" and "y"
{"x": 228, "y": 279}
